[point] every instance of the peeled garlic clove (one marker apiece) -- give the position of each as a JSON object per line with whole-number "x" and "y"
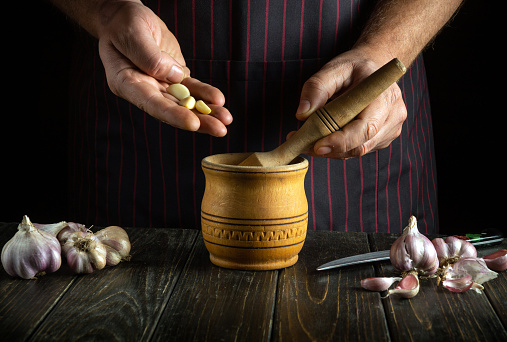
{"x": 459, "y": 284}
{"x": 116, "y": 242}
{"x": 378, "y": 283}
{"x": 178, "y": 90}
{"x": 414, "y": 251}
{"x": 84, "y": 252}
{"x": 497, "y": 261}
{"x": 408, "y": 287}
{"x": 31, "y": 251}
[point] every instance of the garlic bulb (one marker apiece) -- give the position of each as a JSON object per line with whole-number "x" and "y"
{"x": 31, "y": 251}
{"x": 116, "y": 242}
{"x": 453, "y": 248}
{"x": 84, "y": 252}
{"x": 414, "y": 251}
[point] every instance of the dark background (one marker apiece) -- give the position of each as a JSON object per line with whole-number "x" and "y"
{"x": 464, "y": 65}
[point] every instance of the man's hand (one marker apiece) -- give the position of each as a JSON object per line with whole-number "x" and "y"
{"x": 142, "y": 57}
{"x": 374, "y": 128}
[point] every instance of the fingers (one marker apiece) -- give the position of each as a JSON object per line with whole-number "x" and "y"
{"x": 374, "y": 128}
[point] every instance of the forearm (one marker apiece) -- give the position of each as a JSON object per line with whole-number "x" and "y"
{"x": 91, "y": 15}
{"x": 403, "y": 28}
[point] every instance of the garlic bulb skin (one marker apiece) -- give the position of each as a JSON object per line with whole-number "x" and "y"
{"x": 31, "y": 251}
{"x": 414, "y": 251}
{"x": 117, "y": 244}
{"x": 84, "y": 252}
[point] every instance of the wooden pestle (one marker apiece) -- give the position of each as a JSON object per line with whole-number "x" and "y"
{"x": 330, "y": 118}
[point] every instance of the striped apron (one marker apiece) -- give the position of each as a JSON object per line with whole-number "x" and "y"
{"x": 129, "y": 169}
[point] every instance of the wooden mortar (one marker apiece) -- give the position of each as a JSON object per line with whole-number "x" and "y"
{"x": 253, "y": 218}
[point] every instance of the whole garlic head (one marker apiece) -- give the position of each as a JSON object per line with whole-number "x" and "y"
{"x": 31, "y": 251}
{"x": 413, "y": 251}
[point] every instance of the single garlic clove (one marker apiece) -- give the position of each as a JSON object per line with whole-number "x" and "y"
{"x": 31, "y": 251}
{"x": 413, "y": 251}
{"x": 497, "y": 261}
{"x": 202, "y": 107}
{"x": 178, "y": 90}
{"x": 378, "y": 283}
{"x": 188, "y": 102}
{"x": 442, "y": 250}
{"x": 408, "y": 287}
{"x": 459, "y": 284}
{"x": 116, "y": 242}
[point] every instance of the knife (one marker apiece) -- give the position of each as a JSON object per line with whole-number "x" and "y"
{"x": 482, "y": 240}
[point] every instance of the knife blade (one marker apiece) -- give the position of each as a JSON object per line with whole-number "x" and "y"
{"x": 480, "y": 240}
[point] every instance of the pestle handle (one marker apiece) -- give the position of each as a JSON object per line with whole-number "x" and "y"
{"x": 340, "y": 111}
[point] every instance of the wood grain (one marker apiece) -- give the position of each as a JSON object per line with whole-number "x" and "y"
{"x": 328, "y": 305}
{"x": 124, "y": 302}
{"x": 211, "y": 303}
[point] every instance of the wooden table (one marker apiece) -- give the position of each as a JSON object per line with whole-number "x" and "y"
{"x": 170, "y": 291}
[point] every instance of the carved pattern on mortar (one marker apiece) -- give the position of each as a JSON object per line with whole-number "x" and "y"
{"x": 270, "y": 235}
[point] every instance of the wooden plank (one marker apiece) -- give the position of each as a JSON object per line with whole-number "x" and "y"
{"x": 124, "y": 302}
{"x": 496, "y": 289}
{"x": 25, "y": 303}
{"x": 328, "y": 305}
{"x": 211, "y": 303}
{"x": 437, "y": 314}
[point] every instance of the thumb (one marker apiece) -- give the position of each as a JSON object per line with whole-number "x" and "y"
{"x": 319, "y": 88}
{"x": 315, "y": 93}
{"x": 148, "y": 57}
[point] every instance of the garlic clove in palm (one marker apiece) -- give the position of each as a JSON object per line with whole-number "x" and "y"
{"x": 408, "y": 287}
{"x": 116, "y": 242}
{"x": 378, "y": 283}
{"x": 84, "y": 252}
{"x": 31, "y": 251}
{"x": 497, "y": 261}
{"x": 413, "y": 251}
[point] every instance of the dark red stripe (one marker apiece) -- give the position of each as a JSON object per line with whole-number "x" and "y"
{"x": 361, "y": 175}
{"x": 162, "y": 171}
{"x": 387, "y": 188}
{"x": 108, "y": 145}
{"x": 135, "y": 167}
{"x": 148, "y": 155}
{"x": 346, "y": 195}
{"x": 121, "y": 161}
{"x": 330, "y": 198}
